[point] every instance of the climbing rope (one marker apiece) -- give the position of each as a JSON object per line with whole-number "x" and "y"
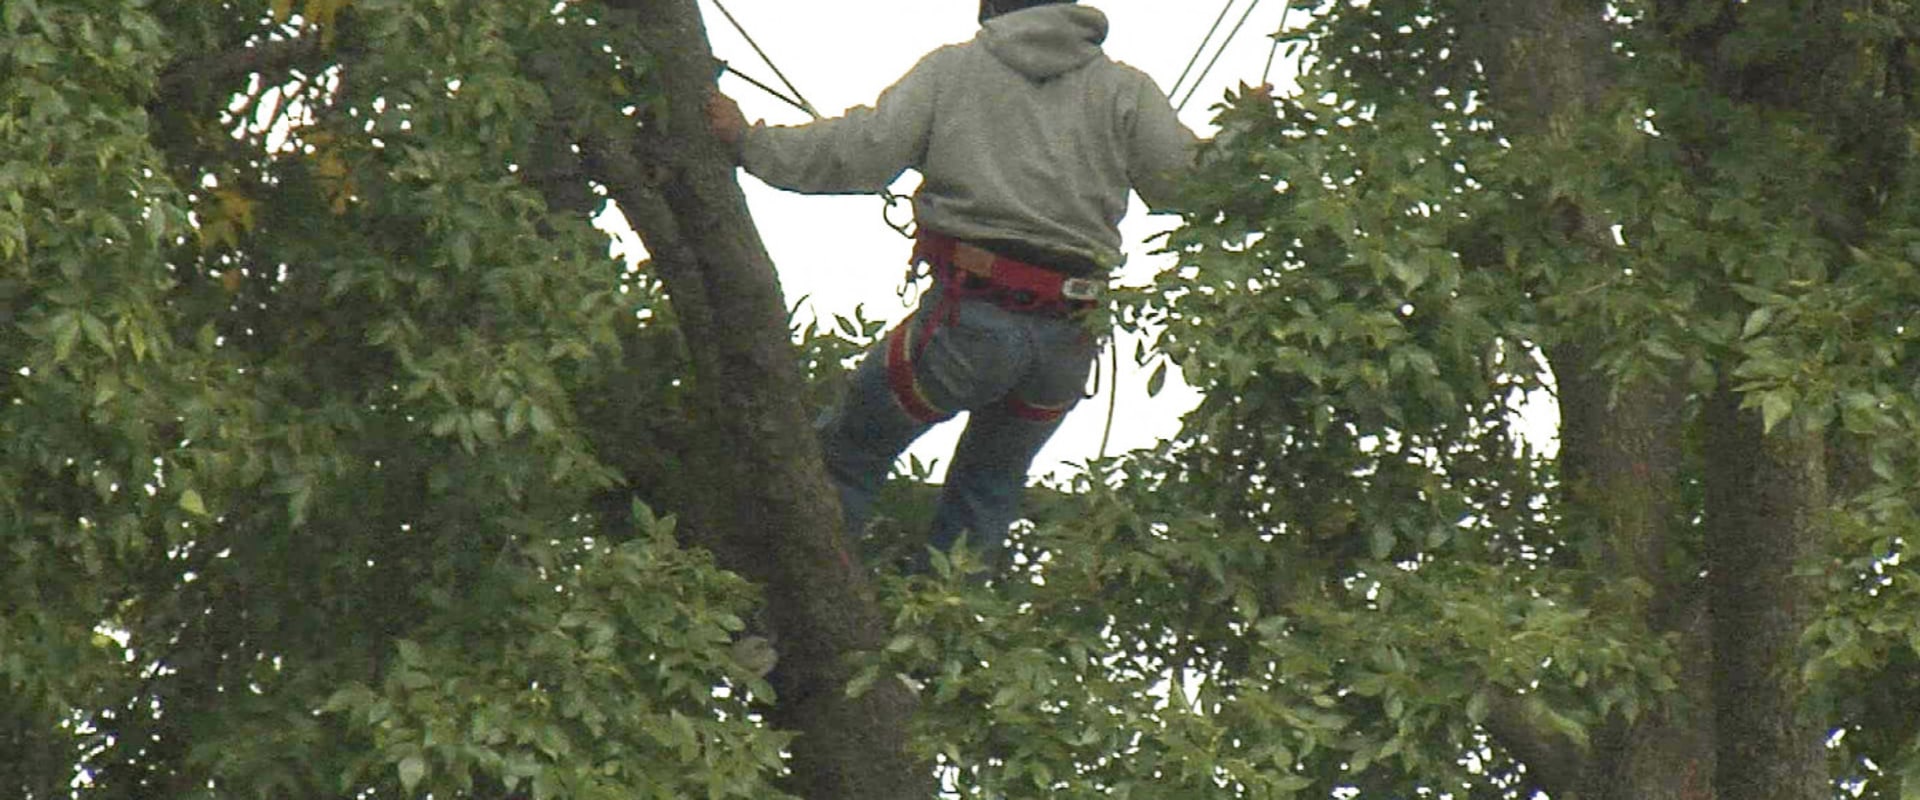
{"x": 1113, "y": 392}
{"x": 799, "y": 101}
{"x": 776, "y": 93}
{"x": 793, "y": 97}
{"x": 1174, "y": 90}
{"x": 1195, "y": 88}
{"x": 1266, "y": 74}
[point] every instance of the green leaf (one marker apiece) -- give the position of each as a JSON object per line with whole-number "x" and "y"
{"x": 15, "y": 13}
{"x": 1477, "y": 707}
{"x": 191, "y": 503}
{"x": 410, "y": 653}
{"x": 461, "y": 249}
{"x": 863, "y": 681}
{"x": 66, "y": 331}
{"x": 1411, "y": 273}
{"x": 1775, "y": 406}
{"x": 1380, "y": 541}
{"x": 97, "y": 333}
{"x": 539, "y": 419}
{"x": 1662, "y": 349}
{"x": 447, "y": 422}
{"x": 1157, "y": 381}
{"x": 412, "y": 769}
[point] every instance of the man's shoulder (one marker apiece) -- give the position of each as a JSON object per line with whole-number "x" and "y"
{"x": 1126, "y": 71}
{"x": 951, "y": 52}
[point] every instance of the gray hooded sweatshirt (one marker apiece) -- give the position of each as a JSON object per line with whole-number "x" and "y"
{"x": 1028, "y": 133}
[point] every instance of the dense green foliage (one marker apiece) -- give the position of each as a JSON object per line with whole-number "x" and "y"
{"x": 1365, "y": 335}
{"x": 295, "y": 494}
{"x": 314, "y": 377}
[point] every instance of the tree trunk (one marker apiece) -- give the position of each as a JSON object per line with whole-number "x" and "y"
{"x": 1735, "y": 728}
{"x": 1620, "y": 456}
{"x": 777, "y": 519}
{"x": 1620, "y": 447}
{"x": 1765, "y": 494}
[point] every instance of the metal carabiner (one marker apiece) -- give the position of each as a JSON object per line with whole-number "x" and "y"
{"x": 890, "y": 201}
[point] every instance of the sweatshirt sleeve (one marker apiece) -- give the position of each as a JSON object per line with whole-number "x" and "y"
{"x": 1161, "y": 151}
{"x": 861, "y": 151}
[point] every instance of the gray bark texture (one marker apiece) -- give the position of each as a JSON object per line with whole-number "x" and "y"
{"x": 1765, "y": 495}
{"x": 1621, "y": 461}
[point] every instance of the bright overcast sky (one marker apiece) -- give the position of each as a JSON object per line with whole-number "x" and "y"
{"x": 836, "y": 253}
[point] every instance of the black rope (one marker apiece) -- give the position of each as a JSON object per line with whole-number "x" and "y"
{"x": 776, "y": 93}
{"x": 1216, "y": 56}
{"x": 1201, "y": 50}
{"x": 799, "y": 100}
{"x": 1267, "y": 73}
{"x": 1113, "y": 396}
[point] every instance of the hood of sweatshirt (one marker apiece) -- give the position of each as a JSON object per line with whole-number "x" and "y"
{"x": 1046, "y": 41}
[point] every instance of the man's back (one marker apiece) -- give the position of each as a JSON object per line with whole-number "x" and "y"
{"x": 1027, "y": 133}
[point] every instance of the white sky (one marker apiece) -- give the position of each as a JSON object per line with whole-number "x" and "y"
{"x": 837, "y": 252}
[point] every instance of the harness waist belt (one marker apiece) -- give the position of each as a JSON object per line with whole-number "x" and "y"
{"x": 976, "y": 271}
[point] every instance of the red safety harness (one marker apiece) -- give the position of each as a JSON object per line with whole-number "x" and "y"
{"x": 963, "y": 271}
{"x": 969, "y": 271}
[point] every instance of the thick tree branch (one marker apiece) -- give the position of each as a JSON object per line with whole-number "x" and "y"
{"x": 776, "y": 514}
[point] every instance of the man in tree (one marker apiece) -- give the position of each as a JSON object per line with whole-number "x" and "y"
{"x": 1028, "y": 139}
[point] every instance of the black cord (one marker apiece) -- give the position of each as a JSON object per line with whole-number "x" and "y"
{"x": 1216, "y": 56}
{"x": 799, "y": 100}
{"x": 1201, "y": 50}
{"x": 783, "y": 97}
{"x": 1267, "y": 73}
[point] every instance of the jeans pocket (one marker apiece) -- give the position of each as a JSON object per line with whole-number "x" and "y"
{"x": 970, "y": 358}
{"x": 1062, "y": 363}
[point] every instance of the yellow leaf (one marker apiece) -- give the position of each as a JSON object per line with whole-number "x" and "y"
{"x": 236, "y": 207}
{"x": 216, "y": 232}
{"x": 322, "y": 14}
{"x": 343, "y": 196}
{"x": 336, "y": 176}
{"x": 330, "y": 165}
{"x": 282, "y": 9}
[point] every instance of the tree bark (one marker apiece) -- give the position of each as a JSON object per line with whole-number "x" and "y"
{"x": 1765, "y": 495}
{"x": 1621, "y": 464}
{"x": 779, "y": 520}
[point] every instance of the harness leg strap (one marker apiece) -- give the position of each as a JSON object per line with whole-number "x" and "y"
{"x": 900, "y": 374}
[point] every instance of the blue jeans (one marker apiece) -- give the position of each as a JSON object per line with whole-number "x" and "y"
{"x": 1015, "y": 373}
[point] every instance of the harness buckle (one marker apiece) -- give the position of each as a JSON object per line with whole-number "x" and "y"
{"x": 1080, "y": 289}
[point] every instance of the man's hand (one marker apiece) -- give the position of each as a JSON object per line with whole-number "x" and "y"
{"x": 726, "y": 121}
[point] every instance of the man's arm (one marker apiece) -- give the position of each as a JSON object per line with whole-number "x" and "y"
{"x": 862, "y": 151}
{"x": 1163, "y": 150}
